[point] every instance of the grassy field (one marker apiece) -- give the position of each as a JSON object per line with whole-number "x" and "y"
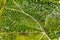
{"x": 29, "y": 19}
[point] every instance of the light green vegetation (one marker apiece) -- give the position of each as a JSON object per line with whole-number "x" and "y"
{"x": 2, "y": 4}
{"x": 29, "y": 20}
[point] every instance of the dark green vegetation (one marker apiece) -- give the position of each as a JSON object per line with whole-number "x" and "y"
{"x": 18, "y": 21}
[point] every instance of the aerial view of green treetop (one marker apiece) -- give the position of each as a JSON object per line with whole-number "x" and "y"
{"x": 29, "y": 19}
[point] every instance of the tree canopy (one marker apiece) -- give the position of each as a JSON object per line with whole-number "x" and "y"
{"x": 29, "y": 19}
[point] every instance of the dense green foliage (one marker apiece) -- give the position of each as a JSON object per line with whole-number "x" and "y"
{"x": 15, "y": 25}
